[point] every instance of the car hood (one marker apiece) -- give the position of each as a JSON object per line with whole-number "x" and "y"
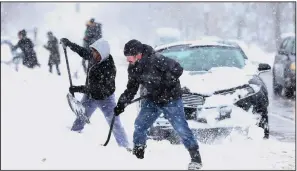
{"x": 220, "y": 78}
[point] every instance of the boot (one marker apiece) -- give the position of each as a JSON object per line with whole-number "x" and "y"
{"x": 264, "y": 124}
{"x": 196, "y": 162}
{"x": 138, "y": 151}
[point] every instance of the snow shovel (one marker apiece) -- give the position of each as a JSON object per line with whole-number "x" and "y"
{"x": 113, "y": 119}
{"x": 77, "y": 108}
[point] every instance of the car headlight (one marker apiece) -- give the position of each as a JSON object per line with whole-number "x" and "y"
{"x": 292, "y": 66}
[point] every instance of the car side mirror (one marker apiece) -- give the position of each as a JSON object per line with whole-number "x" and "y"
{"x": 264, "y": 67}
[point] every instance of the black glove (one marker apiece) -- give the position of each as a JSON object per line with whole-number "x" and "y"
{"x": 74, "y": 89}
{"x": 65, "y": 42}
{"x": 120, "y": 108}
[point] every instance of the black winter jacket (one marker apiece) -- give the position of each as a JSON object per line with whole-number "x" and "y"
{"x": 158, "y": 74}
{"x": 100, "y": 81}
{"x": 27, "y": 47}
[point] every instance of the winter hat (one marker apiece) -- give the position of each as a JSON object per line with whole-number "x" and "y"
{"x": 49, "y": 33}
{"x": 92, "y": 20}
{"x": 133, "y": 47}
{"x": 23, "y": 33}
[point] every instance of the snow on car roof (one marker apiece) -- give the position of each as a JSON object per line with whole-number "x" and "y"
{"x": 211, "y": 43}
{"x": 173, "y": 44}
{"x": 194, "y": 43}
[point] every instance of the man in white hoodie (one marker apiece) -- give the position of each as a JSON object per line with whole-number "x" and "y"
{"x": 99, "y": 87}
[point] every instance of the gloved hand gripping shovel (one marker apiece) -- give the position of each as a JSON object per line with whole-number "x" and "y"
{"x": 113, "y": 119}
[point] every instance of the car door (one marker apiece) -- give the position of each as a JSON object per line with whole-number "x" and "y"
{"x": 280, "y": 61}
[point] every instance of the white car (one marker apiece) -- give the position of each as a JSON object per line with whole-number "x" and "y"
{"x": 222, "y": 90}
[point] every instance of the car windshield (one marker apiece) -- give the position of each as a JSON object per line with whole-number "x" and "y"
{"x": 203, "y": 58}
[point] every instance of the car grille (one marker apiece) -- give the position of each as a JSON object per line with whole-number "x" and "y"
{"x": 192, "y": 100}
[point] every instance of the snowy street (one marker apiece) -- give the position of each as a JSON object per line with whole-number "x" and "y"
{"x": 281, "y": 113}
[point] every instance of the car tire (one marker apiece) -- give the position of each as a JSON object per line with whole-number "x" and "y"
{"x": 289, "y": 92}
{"x": 277, "y": 89}
{"x": 264, "y": 122}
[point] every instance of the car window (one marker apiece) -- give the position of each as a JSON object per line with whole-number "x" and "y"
{"x": 284, "y": 44}
{"x": 289, "y": 45}
{"x": 293, "y": 47}
{"x": 203, "y": 58}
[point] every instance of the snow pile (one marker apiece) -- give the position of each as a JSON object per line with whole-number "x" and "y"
{"x": 220, "y": 78}
{"x": 34, "y": 135}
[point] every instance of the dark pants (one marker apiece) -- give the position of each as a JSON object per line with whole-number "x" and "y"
{"x": 173, "y": 111}
{"x": 57, "y": 67}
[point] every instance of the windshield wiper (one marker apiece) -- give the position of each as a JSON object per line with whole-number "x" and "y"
{"x": 198, "y": 72}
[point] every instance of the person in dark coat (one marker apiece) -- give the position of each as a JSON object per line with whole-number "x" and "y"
{"x": 99, "y": 87}
{"x": 26, "y": 45}
{"x": 160, "y": 76}
{"x": 93, "y": 32}
{"x": 53, "y": 47}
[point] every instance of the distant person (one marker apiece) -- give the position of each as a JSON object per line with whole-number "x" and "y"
{"x": 26, "y": 45}
{"x": 93, "y": 32}
{"x": 53, "y": 47}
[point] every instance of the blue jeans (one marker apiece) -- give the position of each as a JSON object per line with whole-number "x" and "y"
{"x": 107, "y": 105}
{"x": 173, "y": 111}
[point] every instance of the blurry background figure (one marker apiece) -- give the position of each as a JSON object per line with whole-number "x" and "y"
{"x": 53, "y": 47}
{"x": 16, "y": 56}
{"x": 93, "y": 32}
{"x": 35, "y": 34}
{"x": 26, "y": 45}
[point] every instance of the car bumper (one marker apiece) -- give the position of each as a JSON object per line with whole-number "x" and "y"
{"x": 221, "y": 116}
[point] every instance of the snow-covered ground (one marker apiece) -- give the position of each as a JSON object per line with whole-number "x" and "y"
{"x": 35, "y": 117}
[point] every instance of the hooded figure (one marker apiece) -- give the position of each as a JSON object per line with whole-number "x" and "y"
{"x": 99, "y": 87}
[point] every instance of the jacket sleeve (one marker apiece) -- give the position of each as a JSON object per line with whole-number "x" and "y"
{"x": 130, "y": 92}
{"x": 14, "y": 47}
{"x": 169, "y": 66}
{"x": 81, "y": 51}
{"x": 47, "y": 46}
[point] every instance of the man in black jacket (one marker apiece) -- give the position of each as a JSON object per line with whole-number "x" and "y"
{"x": 160, "y": 76}
{"x": 100, "y": 86}
{"x": 27, "y": 47}
{"x": 53, "y": 47}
